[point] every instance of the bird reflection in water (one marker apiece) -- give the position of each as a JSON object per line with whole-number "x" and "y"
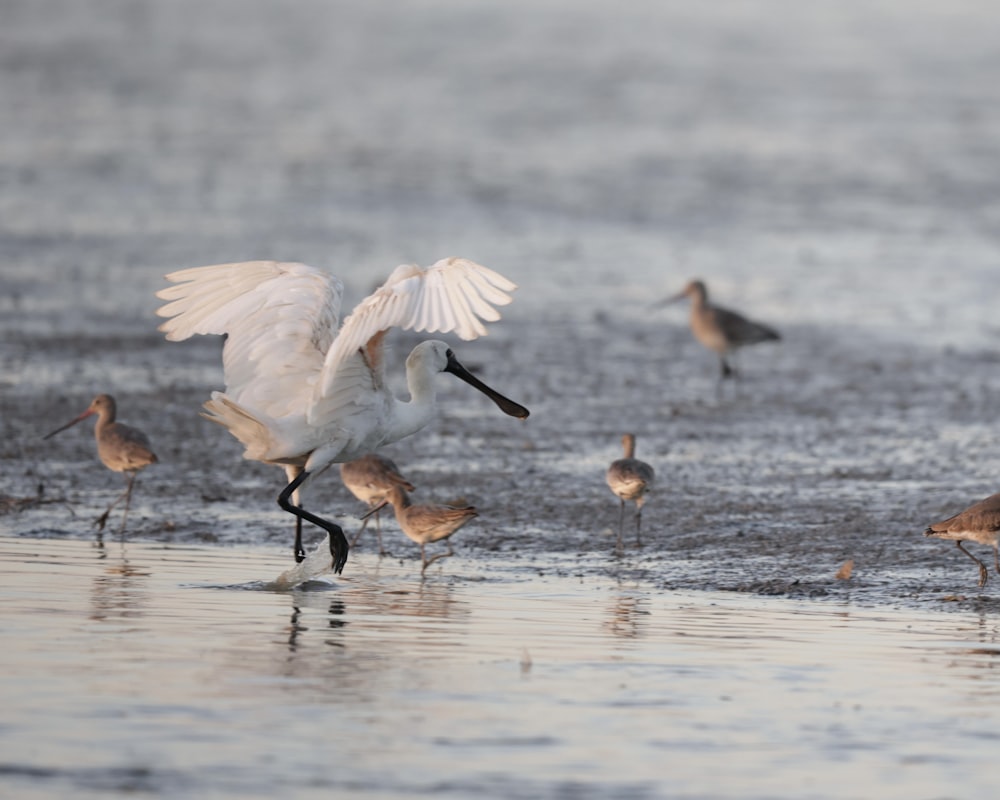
{"x": 335, "y": 621}
{"x": 627, "y": 617}
{"x": 120, "y": 591}
{"x": 321, "y": 654}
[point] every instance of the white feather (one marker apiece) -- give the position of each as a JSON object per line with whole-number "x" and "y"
{"x": 280, "y": 319}
{"x": 293, "y": 383}
{"x": 448, "y": 297}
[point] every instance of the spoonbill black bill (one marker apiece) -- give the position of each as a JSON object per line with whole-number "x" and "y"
{"x": 630, "y": 479}
{"x": 120, "y": 447}
{"x": 978, "y": 523}
{"x": 368, "y": 478}
{"x": 426, "y": 523}
{"x": 304, "y": 392}
{"x": 720, "y": 330}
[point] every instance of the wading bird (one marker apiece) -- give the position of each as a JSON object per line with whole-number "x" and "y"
{"x": 368, "y": 478}
{"x": 428, "y": 523}
{"x": 978, "y": 523}
{"x": 302, "y": 395}
{"x": 121, "y": 448}
{"x": 719, "y": 329}
{"x": 630, "y": 479}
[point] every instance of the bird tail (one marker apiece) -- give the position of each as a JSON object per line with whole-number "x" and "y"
{"x": 253, "y": 433}
{"x": 770, "y": 334}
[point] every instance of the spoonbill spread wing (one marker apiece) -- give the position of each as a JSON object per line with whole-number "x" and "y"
{"x": 304, "y": 396}
{"x": 453, "y": 295}
{"x": 280, "y": 319}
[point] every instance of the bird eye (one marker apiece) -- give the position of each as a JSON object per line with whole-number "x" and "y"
{"x": 448, "y": 353}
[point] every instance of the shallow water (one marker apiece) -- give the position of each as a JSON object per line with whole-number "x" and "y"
{"x": 165, "y": 670}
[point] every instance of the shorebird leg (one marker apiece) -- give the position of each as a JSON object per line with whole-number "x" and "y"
{"x": 128, "y": 501}
{"x": 102, "y": 520}
{"x": 621, "y": 525}
{"x": 364, "y": 524}
{"x": 432, "y": 559}
{"x": 983, "y": 572}
{"x": 126, "y": 495}
{"x": 638, "y": 525}
{"x": 378, "y": 534}
{"x": 339, "y": 547}
{"x": 378, "y": 524}
{"x": 726, "y": 369}
{"x": 378, "y": 527}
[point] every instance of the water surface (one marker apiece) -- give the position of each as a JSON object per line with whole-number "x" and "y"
{"x": 167, "y": 671}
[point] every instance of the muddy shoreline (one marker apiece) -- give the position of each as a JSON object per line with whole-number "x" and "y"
{"x": 826, "y": 450}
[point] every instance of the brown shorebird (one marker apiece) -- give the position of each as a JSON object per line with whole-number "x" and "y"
{"x": 121, "y": 448}
{"x": 719, "y": 329}
{"x": 368, "y": 478}
{"x": 426, "y": 523}
{"x": 978, "y": 523}
{"x": 630, "y": 479}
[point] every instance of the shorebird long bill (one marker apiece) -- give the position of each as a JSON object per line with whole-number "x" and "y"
{"x": 71, "y": 423}
{"x": 668, "y": 300}
{"x": 506, "y": 405}
{"x": 374, "y": 510}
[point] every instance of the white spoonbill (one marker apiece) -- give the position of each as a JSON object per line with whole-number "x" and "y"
{"x": 120, "y": 447}
{"x": 302, "y": 395}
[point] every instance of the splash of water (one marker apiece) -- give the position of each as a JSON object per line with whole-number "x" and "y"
{"x": 315, "y": 564}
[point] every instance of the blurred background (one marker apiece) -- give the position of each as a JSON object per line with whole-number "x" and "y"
{"x": 833, "y": 164}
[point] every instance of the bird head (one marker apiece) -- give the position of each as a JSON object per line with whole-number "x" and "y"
{"x": 436, "y": 356}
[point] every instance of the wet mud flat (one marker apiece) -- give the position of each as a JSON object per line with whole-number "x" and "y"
{"x": 830, "y": 448}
